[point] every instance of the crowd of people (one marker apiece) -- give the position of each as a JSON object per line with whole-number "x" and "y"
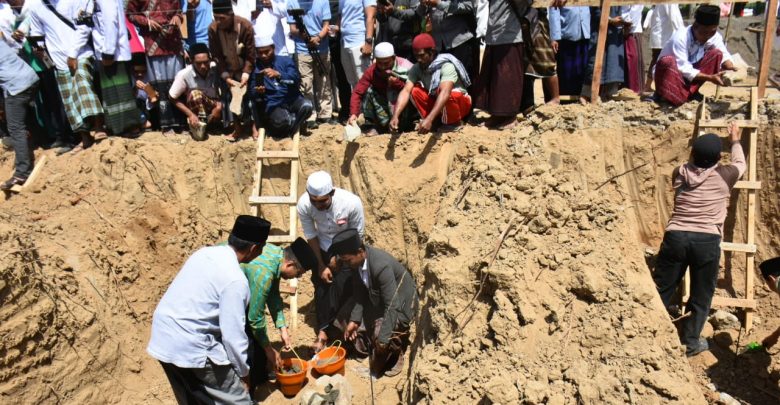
{"x": 210, "y": 333}
{"x": 99, "y": 68}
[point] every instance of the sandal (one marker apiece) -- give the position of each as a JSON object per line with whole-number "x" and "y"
{"x": 13, "y": 181}
{"x": 100, "y": 136}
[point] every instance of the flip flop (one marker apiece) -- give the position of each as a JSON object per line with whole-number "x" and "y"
{"x": 100, "y": 136}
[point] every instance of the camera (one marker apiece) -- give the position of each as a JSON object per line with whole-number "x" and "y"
{"x": 85, "y": 18}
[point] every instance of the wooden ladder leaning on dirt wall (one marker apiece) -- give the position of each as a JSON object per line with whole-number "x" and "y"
{"x": 258, "y": 199}
{"x": 751, "y": 184}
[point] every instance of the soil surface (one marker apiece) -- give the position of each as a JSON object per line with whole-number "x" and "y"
{"x": 532, "y": 250}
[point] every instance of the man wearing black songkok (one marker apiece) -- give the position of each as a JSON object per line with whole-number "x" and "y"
{"x": 702, "y": 189}
{"x": 198, "y": 327}
{"x": 694, "y": 55}
{"x": 385, "y": 303}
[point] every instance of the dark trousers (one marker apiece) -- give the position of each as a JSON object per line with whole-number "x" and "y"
{"x": 700, "y": 252}
{"x": 48, "y": 105}
{"x": 344, "y": 90}
{"x": 258, "y": 362}
{"x": 329, "y": 298}
{"x": 16, "y": 115}
{"x": 212, "y": 384}
{"x": 284, "y": 120}
{"x": 468, "y": 54}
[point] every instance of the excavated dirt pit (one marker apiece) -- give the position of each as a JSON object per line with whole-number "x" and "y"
{"x": 565, "y": 312}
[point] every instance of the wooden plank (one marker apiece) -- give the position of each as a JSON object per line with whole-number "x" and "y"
{"x": 280, "y": 239}
{"x": 748, "y": 185}
{"x": 36, "y": 172}
{"x": 294, "y": 169}
{"x": 294, "y": 303}
{"x": 738, "y": 247}
{"x": 766, "y": 52}
{"x": 751, "y": 212}
{"x": 272, "y": 199}
{"x": 288, "y": 289}
{"x": 257, "y": 181}
{"x": 733, "y": 302}
{"x": 725, "y": 123}
{"x": 595, "y": 83}
{"x": 277, "y": 154}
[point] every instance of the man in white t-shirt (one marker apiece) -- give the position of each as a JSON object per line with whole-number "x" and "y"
{"x": 324, "y": 211}
{"x": 195, "y": 90}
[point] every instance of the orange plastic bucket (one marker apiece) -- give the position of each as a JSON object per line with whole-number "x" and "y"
{"x": 331, "y": 360}
{"x": 290, "y": 384}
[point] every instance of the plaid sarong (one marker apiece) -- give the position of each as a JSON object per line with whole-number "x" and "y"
{"x": 78, "y": 94}
{"x": 121, "y": 112}
{"x": 200, "y": 104}
{"x": 541, "y": 61}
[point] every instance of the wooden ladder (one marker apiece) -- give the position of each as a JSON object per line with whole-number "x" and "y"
{"x": 258, "y": 199}
{"x": 751, "y": 185}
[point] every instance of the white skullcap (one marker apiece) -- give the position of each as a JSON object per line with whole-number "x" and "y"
{"x": 384, "y": 50}
{"x": 263, "y": 40}
{"x": 319, "y": 184}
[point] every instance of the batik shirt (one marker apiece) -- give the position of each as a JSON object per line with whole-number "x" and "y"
{"x": 263, "y": 274}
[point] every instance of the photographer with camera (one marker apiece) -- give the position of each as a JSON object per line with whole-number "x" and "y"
{"x": 275, "y": 91}
{"x": 68, "y": 48}
{"x": 309, "y": 26}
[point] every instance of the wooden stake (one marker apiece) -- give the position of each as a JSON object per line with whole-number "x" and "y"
{"x": 595, "y": 83}
{"x": 766, "y": 52}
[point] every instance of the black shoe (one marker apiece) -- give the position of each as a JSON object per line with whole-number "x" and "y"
{"x": 312, "y": 125}
{"x": 696, "y": 348}
{"x": 7, "y": 142}
{"x": 696, "y": 97}
{"x": 13, "y": 181}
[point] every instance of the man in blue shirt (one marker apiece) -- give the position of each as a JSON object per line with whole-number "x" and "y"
{"x": 315, "y": 83}
{"x": 357, "y": 37}
{"x": 199, "y": 17}
{"x": 274, "y": 87}
{"x": 19, "y": 83}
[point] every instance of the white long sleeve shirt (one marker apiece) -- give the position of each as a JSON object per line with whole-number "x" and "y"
{"x": 663, "y": 21}
{"x": 633, "y": 15}
{"x": 110, "y": 33}
{"x": 345, "y": 212}
{"x": 203, "y": 313}
{"x": 61, "y": 40}
{"x": 7, "y": 22}
{"x": 687, "y": 50}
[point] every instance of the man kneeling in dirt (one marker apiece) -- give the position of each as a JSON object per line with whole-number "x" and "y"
{"x": 385, "y": 303}
{"x": 692, "y": 239}
{"x": 264, "y": 274}
{"x": 195, "y": 91}
{"x": 770, "y": 269}
{"x": 198, "y": 328}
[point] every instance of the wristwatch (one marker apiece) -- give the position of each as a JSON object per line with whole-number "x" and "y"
{"x": 370, "y": 41}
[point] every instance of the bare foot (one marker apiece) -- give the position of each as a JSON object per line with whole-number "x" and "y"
{"x": 232, "y": 137}
{"x": 555, "y": 101}
{"x": 169, "y": 132}
{"x": 584, "y": 100}
{"x": 320, "y": 342}
{"x": 147, "y": 124}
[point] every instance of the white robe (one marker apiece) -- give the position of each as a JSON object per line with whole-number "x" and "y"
{"x": 663, "y": 20}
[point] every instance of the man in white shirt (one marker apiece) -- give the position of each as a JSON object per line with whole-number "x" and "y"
{"x": 325, "y": 211}
{"x": 662, "y": 21}
{"x": 195, "y": 90}
{"x": 198, "y": 329}
{"x": 112, "y": 49}
{"x": 68, "y": 46}
{"x": 693, "y": 56}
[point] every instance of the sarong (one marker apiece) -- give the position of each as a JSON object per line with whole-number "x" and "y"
{"x": 116, "y": 89}
{"x": 541, "y": 62}
{"x": 635, "y": 64}
{"x": 78, "y": 94}
{"x": 572, "y": 63}
{"x": 498, "y": 90}
{"x": 200, "y": 103}
{"x": 162, "y": 70}
{"x": 455, "y": 110}
{"x": 670, "y": 83}
{"x": 377, "y": 110}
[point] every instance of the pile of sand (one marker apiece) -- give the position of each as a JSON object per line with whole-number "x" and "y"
{"x": 566, "y": 311}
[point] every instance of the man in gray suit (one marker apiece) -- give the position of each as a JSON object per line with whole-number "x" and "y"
{"x": 385, "y": 302}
